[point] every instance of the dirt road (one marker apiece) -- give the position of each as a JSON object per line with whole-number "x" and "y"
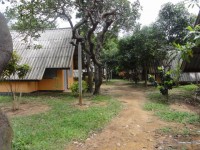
{"x": 132, "y": 129}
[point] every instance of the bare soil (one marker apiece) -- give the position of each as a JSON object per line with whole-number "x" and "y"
{"x": 88, "y": 104}
{"x": 132, "y": 129}
{"x": 26, "y": 109}
{"x": 183, "y": 107}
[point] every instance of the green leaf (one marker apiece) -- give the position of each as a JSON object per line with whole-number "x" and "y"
{"x": 190, "y": 28}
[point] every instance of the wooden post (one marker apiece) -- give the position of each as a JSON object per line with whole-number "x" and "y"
{"x": 80, "y": 73}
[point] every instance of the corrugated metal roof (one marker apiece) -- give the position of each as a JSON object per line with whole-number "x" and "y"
{"x": 185, "y": 77}
{"x": 56, "y": 52}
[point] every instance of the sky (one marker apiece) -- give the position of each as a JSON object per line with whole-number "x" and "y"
{"x": 149, "y": 13}
{"x": 150, "y": 10}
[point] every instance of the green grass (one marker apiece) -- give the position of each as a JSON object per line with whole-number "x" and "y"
{"x": 155, "y": 96}
{"x": 166, "y": 130}
{"x": 54, "y": 129}
{"x": 152, "y": 106}
{"x": 190, "y": 87}
{"x": 164, "y": 112}
{"x": 113, "y": 81}
{"x": 157, "y": 103}
{"x": 183, "y": 131}
{"x": 177, "y": 116}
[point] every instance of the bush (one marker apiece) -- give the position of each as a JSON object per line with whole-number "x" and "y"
{"x": 74, "y": 87}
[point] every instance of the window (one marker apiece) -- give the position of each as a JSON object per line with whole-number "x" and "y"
{"x": 50, "y": 74}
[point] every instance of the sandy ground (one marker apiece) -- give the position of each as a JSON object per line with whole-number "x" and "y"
{"x": 26, "y": 109}
{"x": 132, "y": 129}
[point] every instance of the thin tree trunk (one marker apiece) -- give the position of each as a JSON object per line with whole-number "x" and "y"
{"x": 14, "y": 104}
{"x": 98, "y": 79}
{"x": 90, "y": 81}
{"x": 167, "y": 95}
{"x": 145, "y": 74}
{"x": 90, "y": 75}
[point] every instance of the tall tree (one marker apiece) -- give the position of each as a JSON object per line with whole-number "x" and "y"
{"x": 173, "y": 20}
{"x": 100, "y": 16}
{"x": 142, "y": 49}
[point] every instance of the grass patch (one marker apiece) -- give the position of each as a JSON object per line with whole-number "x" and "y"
{"x": 62, "y": 124}
{"x": 190, "y": 87}
{"x": 176, "y": 116}
{"x": 100, "y": 98}
{"x": 155, "y": 106}
{"x": 113, "y": 81}
{"x": 166, "y": 130}
{"x": 183, "y": 131}
{"x": 155, "y": 96}
{"x": 164, "y": 112}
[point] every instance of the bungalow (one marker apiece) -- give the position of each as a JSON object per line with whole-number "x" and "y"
{"x": 52, "y": 63}
{"x": 194, "y": 64}
{"x": 185, "y": 77}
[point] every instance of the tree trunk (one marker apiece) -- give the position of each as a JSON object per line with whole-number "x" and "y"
{"x": 167, "y": 95}
{"x": 98, "y": 79}
{"x": 90, "y": 75}
{"x": 145, "y": 74}
{"x": 14, "y": 102}
{"x": 90, "y": 81}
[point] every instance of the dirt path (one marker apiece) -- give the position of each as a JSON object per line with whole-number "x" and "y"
{"x": 132, "y": 129}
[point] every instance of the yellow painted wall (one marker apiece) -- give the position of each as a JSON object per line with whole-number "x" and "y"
{"x": 56, "y": 83}
{"x": 70, "y": 74}
{"x": 20, "y": 86}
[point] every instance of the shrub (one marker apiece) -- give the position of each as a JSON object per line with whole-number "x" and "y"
{"x": 166, "y": 82}
{"x": 74, "y": 87}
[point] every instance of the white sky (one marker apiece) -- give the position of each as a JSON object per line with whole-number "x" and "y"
{"x": 151, "y": 9}
{"x": 149, "y": 13}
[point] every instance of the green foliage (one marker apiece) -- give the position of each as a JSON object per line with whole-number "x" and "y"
{"x": 185, "y": 50}
{"x": 151, "y": 78}
{"x": 22, "y": 70}
{"x": 142, "y": 49}
{"x": 75, "y": 87}
{"x": 13, "y": 68}
{"x": 166, "y": 82}
{"x": 193, "y": 35}
{"x": 62, "y": 124}
{"x": 149, "y": 46}
{"x": 173, "y": 20}
{"x": 193, "y": 40}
